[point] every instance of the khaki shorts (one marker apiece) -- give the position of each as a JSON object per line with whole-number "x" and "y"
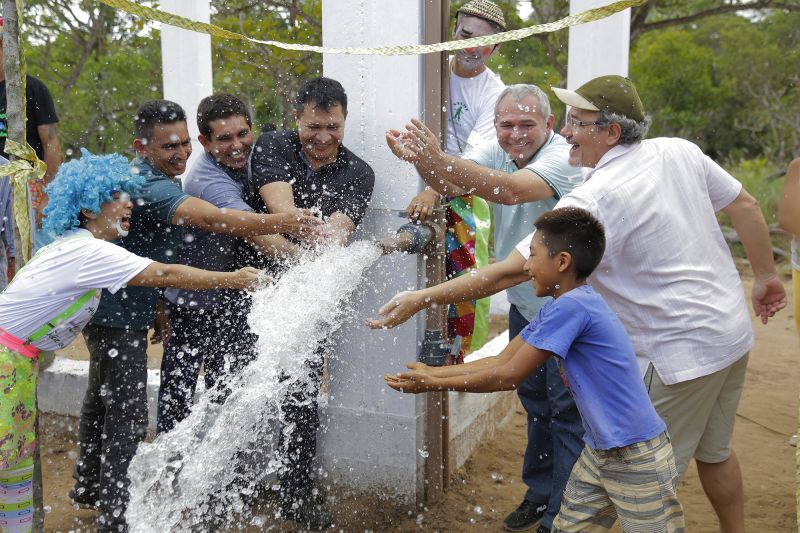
{"x": 635, "y": 483}
{"x": 699, "y": 413}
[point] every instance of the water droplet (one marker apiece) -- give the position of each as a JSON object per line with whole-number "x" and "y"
{"x": 113, "y": 352}
{"x": 423, "y": 453}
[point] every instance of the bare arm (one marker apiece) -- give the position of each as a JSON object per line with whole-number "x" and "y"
{"x": 186, "y": 277}
{"x": 276, "y": 246}
{"x": 48, "y": 133}
{"x": 517, "y": 361}
{"x": 458, "y": 370}
{"x": 789, "y": 207}
{"x": 443, "y": 171}
{"x": 768, "y": 295}
{"x": 203, "y": 215}
{"x": 401, "y": 146}
{"x": 279, "y": 198}
{"x": 489, "y": 280}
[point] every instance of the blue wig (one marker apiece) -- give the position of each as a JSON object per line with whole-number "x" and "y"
{"x": 86, "y": 183}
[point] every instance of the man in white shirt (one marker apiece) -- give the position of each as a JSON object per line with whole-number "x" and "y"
{"x": 524, "y": 174}
{"x": 666, "y": 272}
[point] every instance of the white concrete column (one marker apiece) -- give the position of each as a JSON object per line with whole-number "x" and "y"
{"x": 599, "y": 47}
{"x": 371, "y": 437}
{"x": 186, "y": 63}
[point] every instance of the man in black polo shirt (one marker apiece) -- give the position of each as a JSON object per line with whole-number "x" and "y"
{"x": 309, "y": 168}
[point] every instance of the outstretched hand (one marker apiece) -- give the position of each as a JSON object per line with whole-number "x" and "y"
{"x": 400, "y": 145}
{"x": 412, "y": 382}
{"x": 249, "y": 278}
{"x": 416, "y": 144}
{"x": 768, "y": 297}
{"x": 397, "y": 310}
{"x": 302, "y": 224}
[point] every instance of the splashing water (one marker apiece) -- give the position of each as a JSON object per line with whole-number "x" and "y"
{"x": 195, "y": 472}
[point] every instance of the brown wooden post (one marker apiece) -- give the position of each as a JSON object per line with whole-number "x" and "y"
{"x": 435, "y": 27}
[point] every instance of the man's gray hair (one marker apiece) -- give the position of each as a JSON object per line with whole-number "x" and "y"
{"x": 632, "y": 131}
{"x": 520, "y": 91}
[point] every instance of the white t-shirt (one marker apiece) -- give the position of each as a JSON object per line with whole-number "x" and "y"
{"x": 472, "y": 102}
{"x": 60, "y": 275}
{"x": 667, "y": 272}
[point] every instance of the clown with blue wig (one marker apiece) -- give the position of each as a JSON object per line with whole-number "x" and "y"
{"x": 55, "y": 295}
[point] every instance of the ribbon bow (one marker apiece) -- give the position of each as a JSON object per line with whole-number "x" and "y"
{"x": 25, "y": 168}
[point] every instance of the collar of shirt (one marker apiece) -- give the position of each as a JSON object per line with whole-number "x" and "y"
{"x": 615, "y": 153}
{"x": 147, "y": 169}
{"x": 533, "y": 157}
{"x": 237, "y": 174}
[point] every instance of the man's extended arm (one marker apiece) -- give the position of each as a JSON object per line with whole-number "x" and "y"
{"x": 452, "y": 175}
{"x": 48, "y": 133}
{"x": 488, "y": 280}
{"x": 768, "y": 296}
{"x": 505, "y": 372}
{"x": 279, "y": 198}
{"x": 203, "y": 215}
{"x": 186, "y": 277}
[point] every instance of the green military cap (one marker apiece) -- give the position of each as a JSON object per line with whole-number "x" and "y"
{"x": 612, "y": 94}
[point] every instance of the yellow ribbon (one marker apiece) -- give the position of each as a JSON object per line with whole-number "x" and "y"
{"x": 590, "y": 15}
{"x": 20, "y": 171}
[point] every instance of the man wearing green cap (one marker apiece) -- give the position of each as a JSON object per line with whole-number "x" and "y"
{"x": 667, "y": 273}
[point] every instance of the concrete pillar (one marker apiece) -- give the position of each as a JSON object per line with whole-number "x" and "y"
{"x": 186, "y": 63}
{"x": 599, "y": 47}
{"x": 373, "y": 434}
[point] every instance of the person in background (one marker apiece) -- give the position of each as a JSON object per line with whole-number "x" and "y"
{"x": 789, "y": 220}
{"x": 6, "y": 230}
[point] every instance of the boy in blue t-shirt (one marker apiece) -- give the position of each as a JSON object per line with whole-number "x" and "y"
{"x": 627, "y": 469}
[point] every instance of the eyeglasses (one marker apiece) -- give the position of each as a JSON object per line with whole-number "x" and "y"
{"x": 575, "y": 123}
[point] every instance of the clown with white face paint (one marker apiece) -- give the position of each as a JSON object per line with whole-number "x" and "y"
{"x": 55, "y": 295}
{"x": 473, "y": 87}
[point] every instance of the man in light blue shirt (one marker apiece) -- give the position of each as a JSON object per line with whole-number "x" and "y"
{"x": 524, "y": 174}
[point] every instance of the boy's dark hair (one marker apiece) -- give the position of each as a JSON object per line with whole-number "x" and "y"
{"x": 219, "y": 106}
{"x": 577, "y": 232}
{"x": 321, "y": 92}
{"x": 156, "y": 112}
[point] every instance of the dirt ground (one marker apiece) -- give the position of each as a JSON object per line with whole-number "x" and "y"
{"x": 489, "y": 487}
